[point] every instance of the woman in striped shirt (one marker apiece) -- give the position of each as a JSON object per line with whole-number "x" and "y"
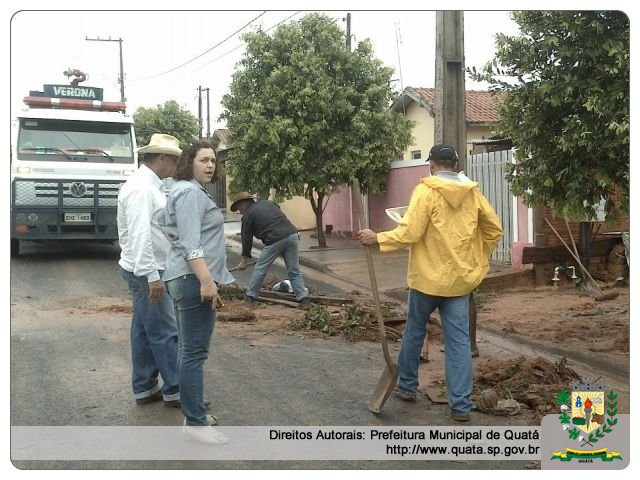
{"x": 196, "y": 264}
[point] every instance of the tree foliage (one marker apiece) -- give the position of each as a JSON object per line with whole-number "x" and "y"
{"x": 169, "y": 118}
{"x": 566, "y": 75}
{"x": 308, "y": 115}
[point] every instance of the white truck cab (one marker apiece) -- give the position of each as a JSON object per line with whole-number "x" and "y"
{"x": 71, "y": 152}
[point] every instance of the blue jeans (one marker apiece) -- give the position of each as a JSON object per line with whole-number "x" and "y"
{"x": 288, "y": 249}
{"x": 196, "y": 321}
{"x": 454, "y": 312}
{"x": 154, "y": 341}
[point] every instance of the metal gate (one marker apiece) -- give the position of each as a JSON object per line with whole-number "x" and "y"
{"x": 218, "y": 190}
{"x": 488, "y": 169}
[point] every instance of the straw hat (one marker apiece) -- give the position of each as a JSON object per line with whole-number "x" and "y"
{"x": 162, "y": 143}
{"x": 238, "y": 197}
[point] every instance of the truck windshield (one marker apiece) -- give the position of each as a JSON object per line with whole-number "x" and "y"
{"x": 75, "y": 141}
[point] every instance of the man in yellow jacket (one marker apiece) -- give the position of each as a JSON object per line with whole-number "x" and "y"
{"x": 452, "y": 230}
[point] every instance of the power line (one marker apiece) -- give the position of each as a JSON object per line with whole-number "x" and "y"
{"x": 203, "y": 53}
{"x": 398, "y": 42}
{"x": 242, "y": 44}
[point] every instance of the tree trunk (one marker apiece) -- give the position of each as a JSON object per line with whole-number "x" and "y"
{"x": 317, "y": 209}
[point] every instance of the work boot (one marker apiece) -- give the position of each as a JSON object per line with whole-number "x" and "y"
{"x": 177, "y": 404}
{"x": 404, "y": 395}
{"x": 460, "y": 416}
{"x": 250, "y": 300}
{"x": 305, "y": 303}
{"x": 156, "y": 397}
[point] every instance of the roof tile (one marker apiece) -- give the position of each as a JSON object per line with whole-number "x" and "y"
{"x": 224, "y": 134}
{"x": 481, "y": 106}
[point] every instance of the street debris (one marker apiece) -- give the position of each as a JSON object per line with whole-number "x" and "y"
{"x": 116, "y": 309}
{"x": 505, "y": 386}
{"x": 239, "y": 313}
{"x": 355, "y": 322}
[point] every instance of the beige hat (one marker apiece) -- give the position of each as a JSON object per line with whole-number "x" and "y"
{"x": 238, "y": 197}
{"x": 162, "y": 143}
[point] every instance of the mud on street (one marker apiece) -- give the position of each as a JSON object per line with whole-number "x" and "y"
{"x": 276, "y": 365}
{"x": 558, "y": 319}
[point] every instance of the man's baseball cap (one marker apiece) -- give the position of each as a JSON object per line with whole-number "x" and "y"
{"x": 443, "y": 152}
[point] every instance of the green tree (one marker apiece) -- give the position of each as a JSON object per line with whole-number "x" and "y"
{"x": 169, "y": 118}
{"x": 566, "y": 75}
{"x": 308, "y": 115}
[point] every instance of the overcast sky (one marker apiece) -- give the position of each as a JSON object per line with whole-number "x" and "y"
{"x": 44, "y": 44}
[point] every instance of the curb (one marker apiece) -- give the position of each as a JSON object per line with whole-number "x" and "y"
{"x": 577, "y": 356}
{"x": 587, "y": 358}
{"x": 314, "y": 265}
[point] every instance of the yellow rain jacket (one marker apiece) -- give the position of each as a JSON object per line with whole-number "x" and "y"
{"x": 452, "y": 231}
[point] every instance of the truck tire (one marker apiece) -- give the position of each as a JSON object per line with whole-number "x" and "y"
{"x": 15, "y": 247}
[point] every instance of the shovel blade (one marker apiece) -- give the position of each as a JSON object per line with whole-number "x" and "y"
{"x": 385, "y": 386}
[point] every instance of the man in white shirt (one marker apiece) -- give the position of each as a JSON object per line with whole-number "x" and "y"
{"x": 154, "y": 334}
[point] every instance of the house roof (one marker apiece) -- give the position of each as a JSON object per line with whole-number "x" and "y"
{"x": 224, "y": 134}
{"x": 482, "y": 107}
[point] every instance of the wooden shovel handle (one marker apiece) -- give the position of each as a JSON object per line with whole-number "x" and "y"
{"x": 573, "y": 242}
{"x": 372, "y": 275}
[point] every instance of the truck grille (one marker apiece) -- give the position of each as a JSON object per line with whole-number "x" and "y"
{"x": 46, "y": 209}
{"x": 67, "y": 194}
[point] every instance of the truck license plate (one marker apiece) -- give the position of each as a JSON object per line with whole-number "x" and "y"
{"x": 77, "y": 217}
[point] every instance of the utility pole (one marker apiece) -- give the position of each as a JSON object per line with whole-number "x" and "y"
{"x": 349, "y": 31}
{"x": 351, "y": 226}
{"x": 450, "y": 119}
{"x": 121, "y": 79}
{"x": 200, "y": 112}
{"x": 208, "y": 116}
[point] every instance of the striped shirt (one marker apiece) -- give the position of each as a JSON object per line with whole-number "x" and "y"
{"x": 195, "y": 227}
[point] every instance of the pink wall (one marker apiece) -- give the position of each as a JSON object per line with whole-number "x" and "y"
{"x": 400, "y": 184}
{"x": 523, "y": 236}
{"x": 336, "y": 212}
{"x": 523, "y": 222}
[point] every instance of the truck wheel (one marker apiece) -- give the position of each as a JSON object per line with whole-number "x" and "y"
{"x": 15, "y": 247}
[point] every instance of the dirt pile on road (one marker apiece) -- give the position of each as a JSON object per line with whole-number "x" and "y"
{"x": 532, "y": 382}
{"x": 355, "y": 322}
{"x": 238, "y": 313}
{"x": 114, "y": 309}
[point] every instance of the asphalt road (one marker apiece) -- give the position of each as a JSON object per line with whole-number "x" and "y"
{"x": 70, "y": 365}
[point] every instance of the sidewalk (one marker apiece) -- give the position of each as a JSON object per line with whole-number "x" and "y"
{"x": 345, "y": 258}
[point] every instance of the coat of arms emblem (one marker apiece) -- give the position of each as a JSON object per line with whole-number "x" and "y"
{"x": 588, "y": 413}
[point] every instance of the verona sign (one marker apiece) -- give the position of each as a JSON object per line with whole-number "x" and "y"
{"x": 69, "y": 91}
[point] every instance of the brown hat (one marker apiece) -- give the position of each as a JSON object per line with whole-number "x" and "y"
{"x": 238, "y": 197}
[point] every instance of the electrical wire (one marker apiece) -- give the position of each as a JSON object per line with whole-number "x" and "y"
{"x": 240, "y": 45}
{"x": 203, "y": 53}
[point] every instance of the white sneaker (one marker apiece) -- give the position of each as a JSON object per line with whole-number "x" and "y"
{"x": 204, "y": 434}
